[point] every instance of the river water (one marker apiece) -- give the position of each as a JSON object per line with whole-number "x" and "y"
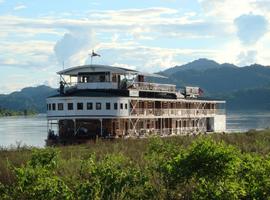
{"x": 32, "y": 130}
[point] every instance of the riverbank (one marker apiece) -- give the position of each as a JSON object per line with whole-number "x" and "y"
{"x": 213, "y": 166}
{"x": 8, "y": 113}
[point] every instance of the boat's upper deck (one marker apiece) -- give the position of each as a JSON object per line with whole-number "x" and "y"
{"x": 108, "y": 77}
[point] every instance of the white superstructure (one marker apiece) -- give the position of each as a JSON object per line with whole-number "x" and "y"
{"x": 106, "y": 101}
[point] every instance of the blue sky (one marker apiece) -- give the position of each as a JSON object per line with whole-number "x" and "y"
{"x": 37, "y": 36}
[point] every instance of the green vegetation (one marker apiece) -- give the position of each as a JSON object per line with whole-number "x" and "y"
{"x": 232, "y": 166}
{"x": 5, "y": 112}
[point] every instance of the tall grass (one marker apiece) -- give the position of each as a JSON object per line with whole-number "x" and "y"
{"x": 219, "y": 166}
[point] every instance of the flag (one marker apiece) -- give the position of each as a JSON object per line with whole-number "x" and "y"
{"x": 94, "y": 54}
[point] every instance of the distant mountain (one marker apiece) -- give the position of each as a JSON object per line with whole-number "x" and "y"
{"x": 198, "y": 65}
{"x": 248, "y": 99}
{"x": 30, "y": 98}
{"x": 216, "y": 78}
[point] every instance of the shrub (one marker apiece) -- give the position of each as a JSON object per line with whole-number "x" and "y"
{"x": 37, "y": 180}
{"x": 39, "y": 183}
{"x": 113, "y": 177}
{"x": 210, "y": 160}
{"x": 46, "y": 158}
{"x": 4, "y": 192}
{"x": 255, "y": 173}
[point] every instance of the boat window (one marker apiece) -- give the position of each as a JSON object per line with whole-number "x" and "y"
{"x": 121, "y": 106}
{"x": 126, "y": 106}
{"x": 70, "y": 106}
{"x": 53, "y": 106}
{"x": 115, "y": 106}
{"x": 98, "y": 106}
{"x": 102, "y": 78}
{"x": 79, "y": 106}
{"x": 60, "y": 106}
{"x": 89, "y": 106}
{"x": 114, "y": 78}
{"x": 50, "y": 106}
{"x": 108, "y": 106}
{"x": 94, "y": 77}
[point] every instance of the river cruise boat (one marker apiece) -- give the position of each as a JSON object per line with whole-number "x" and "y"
{"x": 100, "y": 101}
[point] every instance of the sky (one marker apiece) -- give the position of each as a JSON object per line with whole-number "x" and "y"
{"x": 39, "y": 38}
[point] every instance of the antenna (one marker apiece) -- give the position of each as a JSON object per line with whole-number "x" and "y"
{"x": 92, "y": 56}
{"x": 63, "y": 63}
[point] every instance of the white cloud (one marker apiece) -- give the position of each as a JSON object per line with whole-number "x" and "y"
{"x": 247, "y": 57}
{"x": 19, "y": 7}
{"x": 227, "y": 9}
{"x": 74, "y": 47}
{"x": 29, "y": 54}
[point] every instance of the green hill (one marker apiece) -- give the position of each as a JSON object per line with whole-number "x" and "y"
{"x": 30, "y": 98}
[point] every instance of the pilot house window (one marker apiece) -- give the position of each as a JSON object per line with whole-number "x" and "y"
{"x": 79, "y": 106}
{"x": 89, "y": 106}
{"x": 98, "y": 106}
{"x": 108, "y": 106}
{"x": 94, "y": 77}
{"x": 53, "y": 106}
{"x": 60, "y": 106}
{"x": 70, "y": 106}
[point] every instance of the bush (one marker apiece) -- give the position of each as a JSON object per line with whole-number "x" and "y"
{"x": 4, "y": 192}
{"x": 255, "y": 174}
{"x": 113, "y": 177}
{"x": 46, "y": 158}
{"x": 37, "y": 180}
{"x": 39, "y": 183}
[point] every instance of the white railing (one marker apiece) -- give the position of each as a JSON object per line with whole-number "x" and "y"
{"x": 175, "y": 112}
{"x": 153, "y": 86}
{"x": 112, "y": 85}
{"x": 167, "y": 131}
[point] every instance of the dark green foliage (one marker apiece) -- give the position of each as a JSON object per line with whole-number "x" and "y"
{"x": 45, "y": 158}
{"x": 210, "y": 170}
{"x": 5, "y": 112}
{"x": 235, "y": 166}
{"x": 114, "y": 177}
{"x": 37, "y": 180}
{"x": 40, "y": 183}
{"x": 210, "y": 160}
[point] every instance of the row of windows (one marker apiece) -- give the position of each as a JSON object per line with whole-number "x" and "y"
{"x": 89, "y": 106}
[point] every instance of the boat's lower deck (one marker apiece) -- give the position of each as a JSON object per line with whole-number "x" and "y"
{"x": 126, "y": 127}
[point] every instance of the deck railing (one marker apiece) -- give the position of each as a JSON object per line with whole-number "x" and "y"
{"x": 153, "y": 86}
{"x": 131, "y": 85}
{"x": 168, "y": 131}
{"x": 176, "y": 112}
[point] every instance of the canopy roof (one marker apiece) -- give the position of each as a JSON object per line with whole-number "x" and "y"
{"x": 74, "y": 71}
